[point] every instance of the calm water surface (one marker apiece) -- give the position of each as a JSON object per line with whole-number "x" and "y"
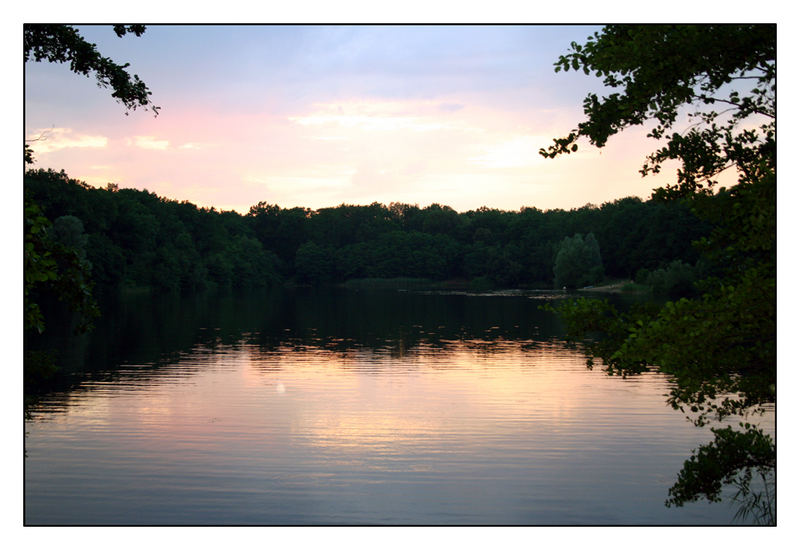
{"x": 351, "y": 408}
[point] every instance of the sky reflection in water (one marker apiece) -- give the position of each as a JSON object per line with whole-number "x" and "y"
{"x": 326, "y": 431}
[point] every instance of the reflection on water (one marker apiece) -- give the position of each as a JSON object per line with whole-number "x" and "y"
{"x": 340, "y": 408}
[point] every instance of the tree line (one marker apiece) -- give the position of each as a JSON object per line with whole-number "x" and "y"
{"x": 136, "y": 238}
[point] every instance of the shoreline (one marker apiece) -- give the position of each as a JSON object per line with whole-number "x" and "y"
{"x": 618, "y": 287}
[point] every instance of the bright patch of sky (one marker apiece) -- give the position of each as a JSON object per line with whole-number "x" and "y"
{"x": 317, "y": 116}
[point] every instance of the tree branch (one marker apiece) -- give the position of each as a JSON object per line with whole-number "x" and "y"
{"x": 738, "y": 105}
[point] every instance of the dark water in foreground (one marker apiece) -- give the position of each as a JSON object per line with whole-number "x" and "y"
{"x": 345, "y": 407}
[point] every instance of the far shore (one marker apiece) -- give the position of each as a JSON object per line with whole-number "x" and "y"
{"x": 614, "y": 288}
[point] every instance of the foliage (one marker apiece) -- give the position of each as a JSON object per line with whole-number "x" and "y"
{"x": 56, "y": 257}
{"x": 52, "y": 267}
{"x": 136, "y": 238}
{"x": 40, "y": 368}
{"x": 39, "y": 266}
{"x": 481, "y": 284}
{"x": 661, "y": 69}
{"x": 314, "y": 263}
{"x": 578, "y": 262}
{"x": 68, "y": 231}
{"x": 732, "y": 458}
{"x": 674, "y": 281}
{"x": 63, "y": 44}
{"x": 720, "y": 346}
{"x": 604, "y": 329}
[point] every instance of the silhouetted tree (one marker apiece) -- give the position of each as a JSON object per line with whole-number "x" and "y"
{"x": 68, "y": 276}
{"x": 64, "y": 44}
{"x": 721, "y": 346}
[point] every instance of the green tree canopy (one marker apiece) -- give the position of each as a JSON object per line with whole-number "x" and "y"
{"x": 53, "y": 266}
{"x": 68, "y": 231}
{"x": 578, "y": 262}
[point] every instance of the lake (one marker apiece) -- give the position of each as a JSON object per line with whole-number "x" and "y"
{"x": 334, "y": 406}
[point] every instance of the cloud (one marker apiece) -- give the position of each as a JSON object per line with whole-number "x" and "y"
{"x": 55, "y": 139}
{"x": 149, "y": 142}
{"x": 193, "y": 146}
{"x": 329, "y": 138}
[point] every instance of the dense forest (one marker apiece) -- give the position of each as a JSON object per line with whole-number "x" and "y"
{"x": 132, "y": 238}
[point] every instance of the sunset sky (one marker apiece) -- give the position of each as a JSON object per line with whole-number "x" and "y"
{"x": 318, "y": 116}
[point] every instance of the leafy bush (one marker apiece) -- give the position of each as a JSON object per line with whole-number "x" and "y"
{"x": 674, "y": 281}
